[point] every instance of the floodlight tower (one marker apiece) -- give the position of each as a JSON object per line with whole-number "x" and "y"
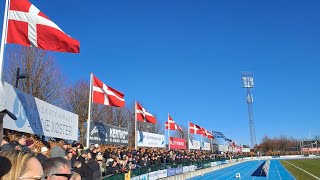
{"x": 247, "y": 82}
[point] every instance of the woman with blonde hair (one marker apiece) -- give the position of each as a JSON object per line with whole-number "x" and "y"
{"x": 19, "y": 165}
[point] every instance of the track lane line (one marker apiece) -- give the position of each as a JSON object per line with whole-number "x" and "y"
{"x": 224, "y": 170}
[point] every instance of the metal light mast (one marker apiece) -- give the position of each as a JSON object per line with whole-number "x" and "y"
{"x": 247, "y": 82}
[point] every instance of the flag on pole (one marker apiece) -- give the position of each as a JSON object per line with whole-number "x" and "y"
{"x": 27, "y": 26}
{"x": 144, "y": 116}
{"x": 106, "y": 95}
{"x": 171, "y": 125}
{"x": 218, "y": 134}
{"x": 207, "y": 133}
{"x": 195, "y": 129}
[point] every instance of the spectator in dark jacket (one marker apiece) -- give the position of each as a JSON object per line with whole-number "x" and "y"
{"x": 83, "y": 170}
{"x": 107, "y": 153}
{"x": 93, "y": 166}
{"x": 83, "y": 157}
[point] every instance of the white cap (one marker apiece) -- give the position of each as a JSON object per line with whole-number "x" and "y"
{"x": 96, "y": 145}
{"x": 44, "y": 149}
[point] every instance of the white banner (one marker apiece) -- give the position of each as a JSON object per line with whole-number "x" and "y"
{"x": 146, "y": 139}
{"x": 153, "y": 175}
{"x": 135, "y": 178}
{"x": 35, "y": 116}
{"x": 162, "y": 173}
{"x": 194, "y": 145}
{"x": 206, "y": 146}
{"x": 186, "y": 169}
{"x": 192, "y": 168}
{"x": 247, "y": 150}
{"x": 223, "y": 148}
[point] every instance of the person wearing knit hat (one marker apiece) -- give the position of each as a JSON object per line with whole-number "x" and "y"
{"x": 42, "y": 156}
{"x": 30, "y": 144}
{"x": 44, "y": 149}
{"x": 57, "y": 152}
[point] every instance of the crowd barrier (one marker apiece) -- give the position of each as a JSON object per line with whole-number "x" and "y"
{"x": 167, "y": 170}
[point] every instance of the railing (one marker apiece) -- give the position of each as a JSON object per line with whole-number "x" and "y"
{"x": 200, "y": 164}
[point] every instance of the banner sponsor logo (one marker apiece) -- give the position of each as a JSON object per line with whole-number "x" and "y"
{"x": 207, "y": 165}
{"x": 162, "y": 173}
{"x": 102, "y": 133}
{"x": 179, "y": 170}
{"x": 194, "y": 144}
{"x": 153, "y": 175}
{"x": 199, "y": 166}
{"x": 177, "y": 143}
{"x": 144, "y": 177}
{"x": 186, "y": 169}
{"x": 213, "y": 164}
{"x": 146, "y": 139}
{"x": 38, "y": 117}
{"x": 171, "y": 171}
{"x": 206, "y": 146}
{"x": 192, "y": 168}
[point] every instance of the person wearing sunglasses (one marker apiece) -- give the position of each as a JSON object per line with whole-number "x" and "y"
{"x": 19, "y": 165}
{"x": 57, "y": 169}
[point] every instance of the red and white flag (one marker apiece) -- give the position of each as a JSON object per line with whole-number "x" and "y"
{"x": 28, "y": 26}
{"x": 207, "y": 133}
{"x": 106, "y": 95}
{"x": 171, "y": 125}
{"x": 144, "y": 116}
{"x": 195, "y": 129}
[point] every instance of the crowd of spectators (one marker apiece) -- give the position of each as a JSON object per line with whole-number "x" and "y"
{"x": 74, "y": 161}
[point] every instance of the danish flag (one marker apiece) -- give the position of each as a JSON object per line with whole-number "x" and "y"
{"x": 171, "y": 125}
{"x": 28, "y": 26}
{"x": 207, "y": 133}
{"x": 106, "y": 95}
{"x": 195, "y": 129}
{"x": 144, "y": 116}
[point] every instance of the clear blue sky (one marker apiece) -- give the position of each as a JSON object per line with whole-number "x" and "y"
{"x": 185, "y": 57}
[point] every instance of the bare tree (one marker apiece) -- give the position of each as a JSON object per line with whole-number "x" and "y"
{"x": 44, "y": 78}
{"x": 121, "y": 117}
{"x": 76, "y": 100}
{"x": 183, "y": 134}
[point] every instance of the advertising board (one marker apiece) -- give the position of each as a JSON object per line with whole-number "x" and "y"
{"x": 194, "y": 144}
{"x": 177, "y": 143}
{"x": 146, "y": 139}
{"x": 38, "y": 117}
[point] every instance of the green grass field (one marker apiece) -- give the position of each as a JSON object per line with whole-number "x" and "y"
{"x": 310, "y": 165}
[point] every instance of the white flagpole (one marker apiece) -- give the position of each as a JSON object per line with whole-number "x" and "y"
{"x": 201, "y": 145}
{"x": 165, "y": 133}
{"x": 4, "y": 36}
{"x": 168, "y": 133}
{"x": 188, "y": 136}
{"x": 89, "y": 112}
{"x": 135, "y": 126}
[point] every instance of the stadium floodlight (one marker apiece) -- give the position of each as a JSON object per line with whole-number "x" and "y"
{"x": 248, "y": 83}
{"x": 247, "y": 80}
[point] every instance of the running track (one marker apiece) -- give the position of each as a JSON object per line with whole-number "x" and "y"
{"x": 277, "y": 171}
